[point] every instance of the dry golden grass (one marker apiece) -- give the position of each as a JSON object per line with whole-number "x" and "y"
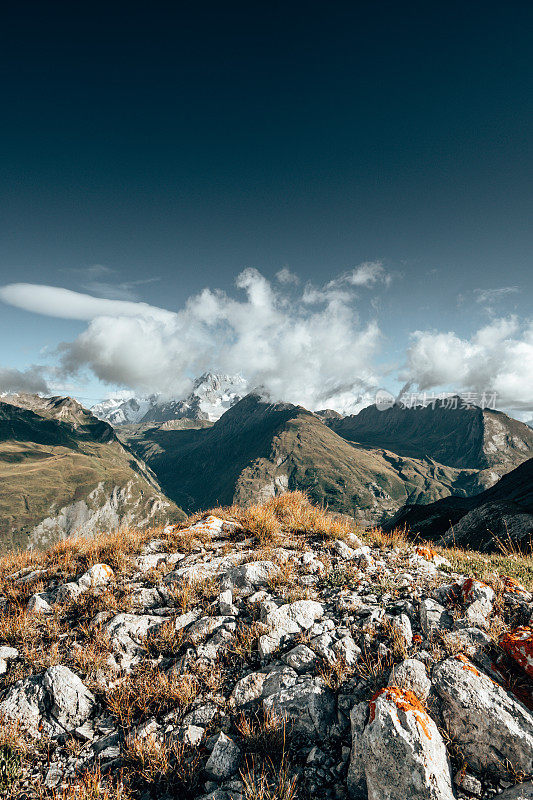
{"x": 336, "y": 673}
{"x": 374, "y": 667}
{"x": 242, "y": 649}
{"x": 155, "y": 766}
{"x": 90, "y": 786}
{"x": 148, "y": 692}
{"x": 89, "y": 655}
{"x": 264, "y": 735}
{"x": 267, "y": 782}
{"x": 38, "y": 638}
{"x": 376, "y": 537}
{"x": 395, "y": 640}
{"x": 151, "y": 759}
{"x": 165, "y": 640}
{"x": 265, "y": 741}
{"x": 292, "y": 513}
{"x": 194, "y": 592}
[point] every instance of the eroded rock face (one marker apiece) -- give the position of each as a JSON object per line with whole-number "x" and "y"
{"x": 126, "y": 633}
{"x": 72, "y": 702}
{"x": 399, "y": 753}
{"x": 487, "y": 723}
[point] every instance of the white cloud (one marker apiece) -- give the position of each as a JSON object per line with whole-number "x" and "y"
{"x": 341, "y": 289}
{"x": 299, "y": 354}
{"x": 30, "y": 380}
{"x": 368, "y": 274}
{"x": 286, "y": 276}
{"x": 305, "y": 345}
{"x": 496, "y": 358}
{"x": 54, "y": 301}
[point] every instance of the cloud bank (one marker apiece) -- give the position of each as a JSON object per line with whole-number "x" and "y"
{"x": 303, "y": 344}
{"x": 298, "y": 351}
{"x": 497, "y": 358}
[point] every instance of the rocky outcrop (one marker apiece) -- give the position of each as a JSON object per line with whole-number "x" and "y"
{"x": 51, "y": 704}
{"x": 344, "y": 670}
{"x": 490, "y": 726}
{"x": 399, "y": 753}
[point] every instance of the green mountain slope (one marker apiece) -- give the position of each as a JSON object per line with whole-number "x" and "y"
{"x": 256, "y": 450}
{"x": 63, "y": 471}
{"x": 467, "y": 438}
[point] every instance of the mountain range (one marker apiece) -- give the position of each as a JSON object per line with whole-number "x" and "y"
{"x": 64, "y": 471}
{"x": 212, "y": 395}
{"x": 500, "y": 517}
{"x": 258, "y": 449}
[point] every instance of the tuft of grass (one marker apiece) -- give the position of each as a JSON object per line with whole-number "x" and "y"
{"x": 265, "y": 741}
{"x": 156, "y": 766}
{"x": 92, "y": 786}
{"x": 268, "y": 783}
{"x": 264, "y": 735}
{"x": 10, "y": 767}
{"x": 292, "y": 513}
{"x": 334, "y": 674}
{"x": 148, "y": 692}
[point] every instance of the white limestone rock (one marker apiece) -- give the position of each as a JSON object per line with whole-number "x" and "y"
{"x": 488, "y": 724}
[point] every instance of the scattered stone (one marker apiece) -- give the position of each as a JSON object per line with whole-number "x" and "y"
{"x": 468, "y": 783}
{"x": 40, "y": 604}
{"x": 301, "y": 658}
{"x": 434, "y": 617}
{"x": 97, "y": 575}
{"x": 308, "y": 706}
{"x": 72, "y": 702}
{"x": 69, "y": 593}
{"x": 224, "y": 759}
{"x": 411, "y": 675}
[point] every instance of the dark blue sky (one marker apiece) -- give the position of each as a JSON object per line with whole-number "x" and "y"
{"x": 184, "y": 142}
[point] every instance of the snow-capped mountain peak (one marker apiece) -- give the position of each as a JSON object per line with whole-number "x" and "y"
{"x": 212, "y": 395}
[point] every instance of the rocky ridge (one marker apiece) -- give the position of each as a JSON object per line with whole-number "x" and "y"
{"x": 268, "y": 653}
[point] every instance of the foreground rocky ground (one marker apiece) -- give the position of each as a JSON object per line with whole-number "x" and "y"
{"x": 266, "y": 654}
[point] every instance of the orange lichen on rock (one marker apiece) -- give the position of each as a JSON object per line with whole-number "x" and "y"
{"x": 404, "y": 700}
{"x": 518, "y": 643}
{"x": 512, "y": 585}
{"x": 468, "y": 587}
{"x": 466, "y": 663}
{"x": 425, "y": 552}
